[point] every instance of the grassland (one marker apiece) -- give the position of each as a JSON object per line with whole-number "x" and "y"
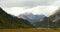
{"x": 29, "y": 30}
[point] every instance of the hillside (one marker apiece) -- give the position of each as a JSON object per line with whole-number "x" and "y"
{"x": 49, "y": 22}
{"x": 55, "y": 18}
{"x": 42, "y": 23}
{"x": 8, "y": 21}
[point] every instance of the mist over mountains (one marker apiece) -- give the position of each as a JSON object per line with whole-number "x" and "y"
{"x": 31, "y": 17}
{"x": 29, "y": 20}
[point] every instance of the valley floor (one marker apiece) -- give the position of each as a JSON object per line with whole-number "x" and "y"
{"x": 30, "y": 30}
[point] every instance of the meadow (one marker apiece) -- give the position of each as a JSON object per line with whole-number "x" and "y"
{"x": 30, "y": 30}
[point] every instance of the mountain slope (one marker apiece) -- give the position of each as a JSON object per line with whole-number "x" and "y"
{"x": 42, "y": 23}
{"x": 50, "y": 22}
{"x": 31, "y": 17}
{"x": 8, "y": 21}
{"x": 56, "y": 18}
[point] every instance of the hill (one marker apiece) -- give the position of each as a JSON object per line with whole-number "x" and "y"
{"x": 8, "y": 21}
{"x": 55, "y": 18}
{"x": 52, "y": 21}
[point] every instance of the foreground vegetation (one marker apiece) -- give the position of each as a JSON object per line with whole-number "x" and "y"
{"x": 30, "y": 30}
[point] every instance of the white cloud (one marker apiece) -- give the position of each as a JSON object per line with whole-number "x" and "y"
{"x": 56, "y": 3}
{"x": 16, "y": 7}
{"x": 27, "y": 3}
{"x": 46, "y": 10}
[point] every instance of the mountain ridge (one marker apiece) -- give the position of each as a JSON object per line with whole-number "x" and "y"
{"x": 31, "y": 17}
{"x": 10, "y": 22}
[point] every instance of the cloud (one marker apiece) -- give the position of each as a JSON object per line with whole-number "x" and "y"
{"x": 56, "y": 3}
{"x": 46, "y": 10}
{"x": 25, "y": 3}
{"x": 16, "y": 7}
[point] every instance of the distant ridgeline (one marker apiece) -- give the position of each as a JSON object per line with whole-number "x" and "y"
{"x": 49, "y": 22}
{"x": 8, "y": 21}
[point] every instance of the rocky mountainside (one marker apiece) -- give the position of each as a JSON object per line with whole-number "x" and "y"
{"x": 42, "y": 23}
{"x": 49, "y": 22}
{"x": 55, "y": 18}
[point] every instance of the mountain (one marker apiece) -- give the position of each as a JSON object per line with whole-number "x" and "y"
{"x": 55, "y": 18}
{"x": 11, "y": 22}
{"x": 56, "y": 15}
{"x": 42, "y": 23}
{"x": 52, "y": 21}
{"x": 31, "y": 17}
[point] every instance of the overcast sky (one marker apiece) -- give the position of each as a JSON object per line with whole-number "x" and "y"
{"x": 16, "y": 7}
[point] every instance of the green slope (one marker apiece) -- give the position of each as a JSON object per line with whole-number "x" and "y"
{"x": 8, "y": 21}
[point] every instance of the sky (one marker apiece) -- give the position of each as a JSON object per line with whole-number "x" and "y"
{"x": 17, "y": 7}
